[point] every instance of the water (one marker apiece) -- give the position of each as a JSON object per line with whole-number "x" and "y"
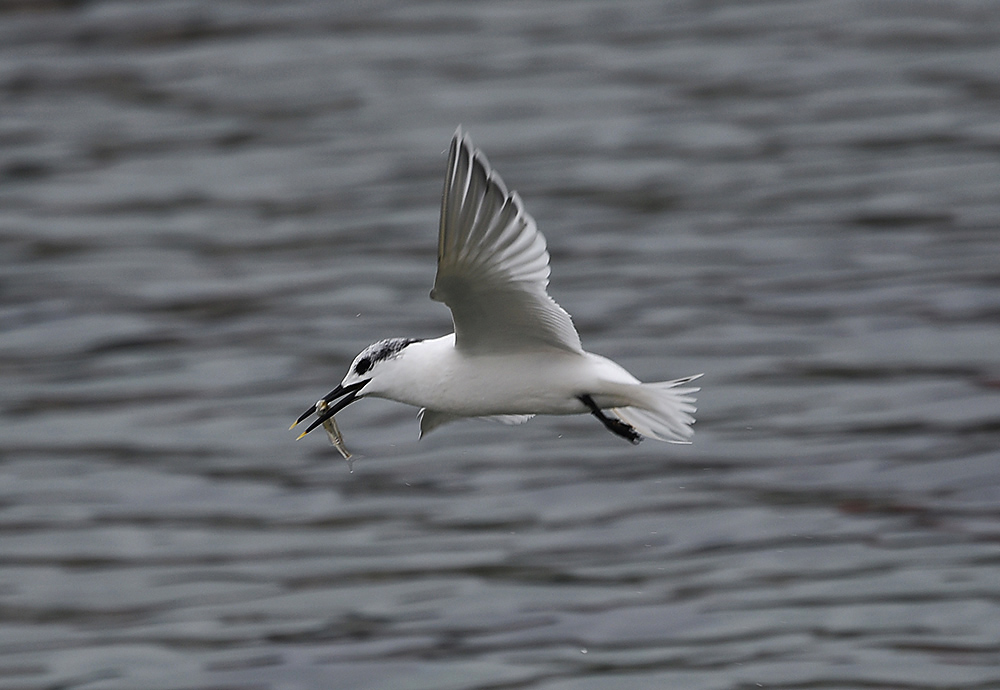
{"x": 206, "y": 210}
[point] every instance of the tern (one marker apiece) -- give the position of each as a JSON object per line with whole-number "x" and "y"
{"x": 514, "y": 352}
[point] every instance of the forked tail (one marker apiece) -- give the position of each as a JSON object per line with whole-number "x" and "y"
{"x": 662, "y": 410}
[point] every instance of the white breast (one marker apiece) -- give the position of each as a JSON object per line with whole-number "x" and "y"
{"x": 433, "y": 374}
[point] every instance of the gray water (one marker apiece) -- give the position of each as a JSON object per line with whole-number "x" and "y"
{"x": 207, "y": 209}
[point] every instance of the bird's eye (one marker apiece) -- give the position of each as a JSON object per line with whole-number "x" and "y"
{"x": 364, "y": 364}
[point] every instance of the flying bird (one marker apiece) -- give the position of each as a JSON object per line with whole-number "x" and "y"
{"x": 514, "y": 353}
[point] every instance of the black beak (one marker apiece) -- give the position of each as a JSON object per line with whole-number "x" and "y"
{"x": 347, "y": 395}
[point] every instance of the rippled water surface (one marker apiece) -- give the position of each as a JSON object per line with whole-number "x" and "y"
{"x": 207, "y": 209}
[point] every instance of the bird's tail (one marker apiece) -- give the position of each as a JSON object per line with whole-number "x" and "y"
{"x": 662, "y": 410}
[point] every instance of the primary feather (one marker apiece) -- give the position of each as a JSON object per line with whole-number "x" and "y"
{"x": 493, "y": 267}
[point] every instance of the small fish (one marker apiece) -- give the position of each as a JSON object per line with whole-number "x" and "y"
{"x": 333, "y": 432}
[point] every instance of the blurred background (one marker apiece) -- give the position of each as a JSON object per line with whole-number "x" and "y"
{"x": 208, "y": 208}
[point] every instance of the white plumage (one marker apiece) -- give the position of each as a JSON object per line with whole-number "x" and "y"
{"x": 514, "y": 353}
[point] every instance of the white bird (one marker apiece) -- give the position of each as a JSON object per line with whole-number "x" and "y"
{"x": 514, "y": 352}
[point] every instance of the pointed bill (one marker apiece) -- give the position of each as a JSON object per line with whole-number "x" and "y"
{"x": 324, "y": 413}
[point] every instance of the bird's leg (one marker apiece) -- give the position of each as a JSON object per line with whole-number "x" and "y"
{"x": 615, "y": 426}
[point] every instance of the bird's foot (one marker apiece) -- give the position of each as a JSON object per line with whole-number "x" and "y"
{"x": 626, "y": 431}
{"x": 612, "y": 424}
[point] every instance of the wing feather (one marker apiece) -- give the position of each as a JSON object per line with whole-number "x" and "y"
{"x": 493, "y": 265}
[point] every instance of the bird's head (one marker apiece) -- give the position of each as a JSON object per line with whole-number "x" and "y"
{"x": 375, "y": 360}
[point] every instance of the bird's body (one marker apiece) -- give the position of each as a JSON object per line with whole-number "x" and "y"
{"x": 436, "y": 375}
{"x": 514, "y": 352}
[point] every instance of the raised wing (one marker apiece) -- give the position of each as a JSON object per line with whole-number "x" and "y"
{"x": 493, "y": 266}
